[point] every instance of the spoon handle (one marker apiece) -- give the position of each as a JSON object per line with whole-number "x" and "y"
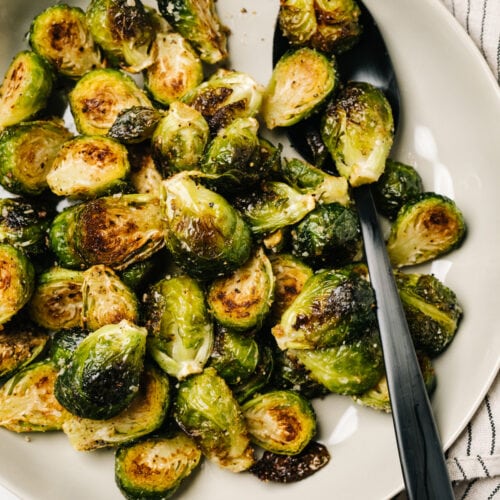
{"x": 422, "y": 460}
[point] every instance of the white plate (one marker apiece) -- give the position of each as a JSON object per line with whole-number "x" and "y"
{"x": 450, "y": 131}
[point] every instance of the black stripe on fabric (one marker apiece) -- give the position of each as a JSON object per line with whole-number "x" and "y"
{"x": 459, "y": 466}
{"x": 483, "y": 465}
{"x": 467, "y": 16}
{"x": 483, "y": 19}
{"x": 492, "y": 424}
{"x": 494, "y": 492}
{"x": 467, "y": 490}
{"x": 469, "y": 438}
{"x": 453, "y": 7}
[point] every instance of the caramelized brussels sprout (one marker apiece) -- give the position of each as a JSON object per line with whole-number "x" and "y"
{"x": 330, "y": 235}
{"x": 144, "y": 175}
{"x": 334, "y": 307}
{"x": 145, "y": 414}
{"x": 98, "y": 98}
{"x": 180, "y": 330}
{"x": 103, "y": 375}
{"x": 300, "y": 82}
{"x": 25, "y": 89}
{"x": 297, "y": 20}
{"x": 205, "y": 235}
{"x": 282, "y": 422}
{"x": 242, "y": 300}
{"x": 207, "y": 411}
{"x": 60, "y": 34}
{"x": 17, "y": 281}
{"x": 124, "y": 30}
{"x": 135, "y": 124}
{"x": 155, "y": 467}
{"x": 57, "y": 301}
{"x": 425, "y": 228}
{"x": 176, "y": 69}
{"x": 432, "y": 310}
{"x": 27, "y": 151}
{"x": 358, "y": 130}
{"x": 89, "y": 166}
{"x": 27, "y": 402}
{"x": 198, "y": 22}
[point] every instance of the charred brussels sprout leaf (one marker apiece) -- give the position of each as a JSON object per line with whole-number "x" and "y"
{"x": 358, "y": 130}
{"x": 206, "y": 410}
{"x": 301, "y": 81}
{"x": 198, "y": 22}
{"x": 282, "y": 422}
{"x": 61, "y": 35}
{"x": 181, "y": 332}
{"x": 155, "y": 467}
{"x": 425, "y": 228}
{"x": 103, "y": 375}
{"x": 135, "y": 124}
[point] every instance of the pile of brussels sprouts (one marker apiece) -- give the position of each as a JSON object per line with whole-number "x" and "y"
{"x": 170, "y": 285}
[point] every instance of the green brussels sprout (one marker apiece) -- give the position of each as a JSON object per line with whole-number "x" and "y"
{"x": 63, "y": 345}
{"x": 330, "y": 235}
{"x": 124, "y": 30}
{"x": 358, "y": 131}
{"x": 180, "y": 330}
{"x": 350, "y": 368}
{"x": 242, "y": 300}
{"x": 205, "y": 235}
{"x": 334, "y": 307}
{"x": 88, "y": 167}
{"x": 155, "y": 467}
{"x": 25, "y": 89}
{"x": 176, "y": 69}
{"x": 307, "y": 178}
{"x": 290, "y": 274}
{"x": 60, "y": 34}
{"x": 226, "y": 95}
{"x": 425, "y": 228}
{"x": 145, "y": 414}
{"x": 297, "y": 20}
{"x": 135, "y": 124}
{"x": 301, "y": 81}
{"x": 398, "y": 184}
{"x": 27, "y": 151}
{"x": 144, "y": 175}
{"x": 27, "y": 402}
{"x": 207, "y": 411}
{"x": 106, "y": 299}
{"x": 98, "y": 98}
{"x": 274, "y": 206}
{"x": 432, "y": 310}
{"x": 270, "y": 158}
{"x": 179, "y": 141}
{"x": 57, "y": 301}
{"x": 139, "y": 275}
{"x": 17, "y": 281}
{"x": 198, "y": 22}
{"x": 280, "y": 421}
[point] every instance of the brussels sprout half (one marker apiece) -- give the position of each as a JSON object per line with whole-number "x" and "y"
{"x": 135, "y": 124}
{"x": 297, "y": 20}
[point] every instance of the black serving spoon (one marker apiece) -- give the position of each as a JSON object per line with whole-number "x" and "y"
{"x": 420, "y": 450}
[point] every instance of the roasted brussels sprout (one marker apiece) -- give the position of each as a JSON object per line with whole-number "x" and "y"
{"x": 89, "y": 166}
{"x": 432, "y": 310}
{"x": 300, "y": 82}
{"x": 60, "y": 34}
{"x": 27, "y": 402}
{"x": 180, "y": 139}
{"x": 103, "y": 375}
{"x": 124, "y": 30}
{"x": 206, "y": 410}
{"x": 98, "y": 98}
{"x": 155, "y": 467}
{"x": 330, "y": 235}
{"x": 242, "y": 300}
{"x": 198, "y": 22}
{"x": 135, "y": 124}
{"x": 180, "y": 330}
{"x": 427, "y": 227}
{"x": 205, "y": 235}
{"x": 145, "y": 414}
{"x": 282, "y": 422}
{"x": 57, "y": 302}
{"x": 274, "y": 206}
{"x": 63, "y": 345}
{"x": 139, "y": 275}
{"x": 334, "y": 307}
{"x": 358, "y": 130}
{"x": 297, "y": 20}
{"x": 17, "y": 281}
{"x": 176, "y": 69}
{"x": 27, "y": 151}
{"x": 26, "y": 87}
{"x": 144, "y": 175}
{"x": 398, "y": 184}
